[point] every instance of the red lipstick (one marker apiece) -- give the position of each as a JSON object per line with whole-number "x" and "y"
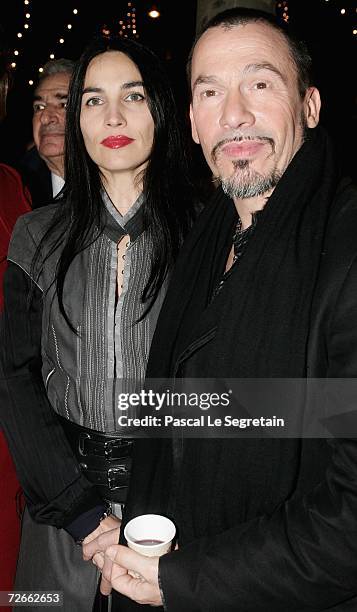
{"x": 116, "y": 142}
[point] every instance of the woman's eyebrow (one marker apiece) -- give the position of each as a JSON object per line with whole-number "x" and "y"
{"x": 127, "y": 85}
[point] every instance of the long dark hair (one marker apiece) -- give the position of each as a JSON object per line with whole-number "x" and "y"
{"x": 168, "y": 199}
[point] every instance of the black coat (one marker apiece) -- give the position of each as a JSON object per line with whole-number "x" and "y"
{"x": 265, "y": 525}
{"x": 37, "y": 178}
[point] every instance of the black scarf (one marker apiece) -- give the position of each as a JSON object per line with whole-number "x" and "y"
{"x": 264, "y": 307}
{"x": 258, "y": 326}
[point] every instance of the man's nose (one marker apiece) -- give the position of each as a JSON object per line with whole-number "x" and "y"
{"x": 236, "y": 111}
{"x": 49, "y": 115}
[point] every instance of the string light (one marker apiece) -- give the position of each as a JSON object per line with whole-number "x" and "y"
{"x": 127, "y": 28}
{"x": 26, "y": 27}
{"x": 154, "y": 13}
{"x": 60, "y": 40}
{"x": 344, "y": 12}
{"x": 127, "y": 24}
{"x": 283, "y": 9}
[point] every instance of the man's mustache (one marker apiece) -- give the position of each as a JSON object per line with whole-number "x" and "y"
{"x": 241, "y": 138}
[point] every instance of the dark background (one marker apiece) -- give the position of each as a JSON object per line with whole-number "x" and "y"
{"x": 327, "y": 33}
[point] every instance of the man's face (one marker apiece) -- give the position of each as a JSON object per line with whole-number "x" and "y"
{"x": 246, "y": 109}
{"x": 49, "y": 115}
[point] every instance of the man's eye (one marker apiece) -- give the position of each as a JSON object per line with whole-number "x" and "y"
{"x": 135, "y": 97}
{"x": 64, "y": 104}
{"x": 209, "y": 93}
{"x": 93, "y": 102}
{"x": 38, "y": 107}
{"x": 260, "y": 85}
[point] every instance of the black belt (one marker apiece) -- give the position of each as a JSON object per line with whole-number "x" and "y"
{"x": 105, "y": 459}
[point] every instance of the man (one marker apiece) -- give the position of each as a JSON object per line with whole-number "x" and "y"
{"x": 266, "y": 287}
{"x": 43, "y": 166}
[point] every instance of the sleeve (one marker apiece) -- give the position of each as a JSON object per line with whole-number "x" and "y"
{"x": 304, "y": 555}
{"x": 56, "y": 491}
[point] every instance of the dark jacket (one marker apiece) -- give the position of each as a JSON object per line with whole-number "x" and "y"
{"x": 37, "y": 178}
{"x": 265, "y": 525}
{"x": 296, "y": 546}
{"x": 46, "y": 368}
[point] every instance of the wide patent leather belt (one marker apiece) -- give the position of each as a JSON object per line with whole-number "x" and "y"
{"x": 105, "y": 459}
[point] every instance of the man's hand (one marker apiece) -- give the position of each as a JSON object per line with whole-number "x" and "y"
{"x": 133, "y": 575}
{"x": 95, "y": 544}
{"x": 108, "y": 524}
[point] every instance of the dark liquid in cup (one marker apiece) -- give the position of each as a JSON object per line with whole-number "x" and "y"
{"x": 148, "y": 542}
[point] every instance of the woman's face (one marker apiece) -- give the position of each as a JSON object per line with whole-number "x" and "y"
{"x": 115, "y": 120}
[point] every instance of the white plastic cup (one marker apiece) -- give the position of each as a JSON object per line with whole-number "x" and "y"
{"x": 150, "y": 534}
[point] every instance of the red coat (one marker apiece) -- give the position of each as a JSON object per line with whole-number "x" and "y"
{"x": 14, "y": 201}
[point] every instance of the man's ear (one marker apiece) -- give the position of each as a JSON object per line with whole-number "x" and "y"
{"x": 193, "y": 127}
{"x": 312, "y": 107}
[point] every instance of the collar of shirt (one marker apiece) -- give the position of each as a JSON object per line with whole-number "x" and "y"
{"x": 118, "y": 225}
{"x": 57, "y": 184}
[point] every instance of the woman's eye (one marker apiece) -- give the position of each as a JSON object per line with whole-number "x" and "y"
{"x": 135, "y": 97}
{"x": 93, "y": 101}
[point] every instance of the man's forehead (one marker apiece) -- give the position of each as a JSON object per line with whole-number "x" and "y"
{"x": 240, "y": 40}
{"x": 54, "y": 85}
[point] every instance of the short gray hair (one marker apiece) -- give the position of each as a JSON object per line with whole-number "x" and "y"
{"x": 57, "y": 66}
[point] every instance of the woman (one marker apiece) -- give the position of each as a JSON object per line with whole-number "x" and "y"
{"x": 14, "y": 201}
{"x": 85, "y": 283}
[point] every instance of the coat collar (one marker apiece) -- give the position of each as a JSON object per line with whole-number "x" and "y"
{"x": 117, "y": 225}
